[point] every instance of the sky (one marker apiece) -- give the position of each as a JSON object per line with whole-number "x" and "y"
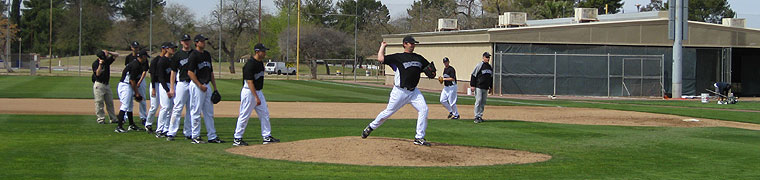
{"x": 744, "y": 8}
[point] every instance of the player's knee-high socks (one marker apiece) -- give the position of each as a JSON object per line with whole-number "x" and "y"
{"x": 131, "y": 120}
{"x": 121, "y": 118}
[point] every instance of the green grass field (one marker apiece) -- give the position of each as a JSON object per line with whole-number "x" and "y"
{"x": 74, "y": 147}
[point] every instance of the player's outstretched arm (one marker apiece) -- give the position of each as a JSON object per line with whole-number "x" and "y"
{"x": 381, "y": 52}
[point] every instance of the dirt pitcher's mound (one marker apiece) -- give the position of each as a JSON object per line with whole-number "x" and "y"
{"x": 381, "y": 151}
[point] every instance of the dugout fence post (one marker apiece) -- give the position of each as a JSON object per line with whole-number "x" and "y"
{"x": 554, "y": 93}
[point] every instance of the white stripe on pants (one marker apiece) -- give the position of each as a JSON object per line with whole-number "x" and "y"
{"x": 200, "y": 102}
{"x": 154, "y": 103}
{"x": 247, "y": 104}
{"x": 125, "y": 96}
{"x": 142, "y": 104}
{"x": 181, "y": 100}
{"x": 165, "y": 114}
{"x": 400, "y": 97}
{"x": 449, "y": 99}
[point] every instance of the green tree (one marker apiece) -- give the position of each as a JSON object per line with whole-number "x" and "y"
{"x": 94, "y": 27}
{"x": 35, "y": 24}
{"x": 554, "y": 9}
{"x": 613, "y": 6}
{"x": 424, "y": 14}
{"x": 316, "y": 12}
{"x": 139, "y": 10}
{"x": 711, "y": 11}
{"x": 655, "y": 5}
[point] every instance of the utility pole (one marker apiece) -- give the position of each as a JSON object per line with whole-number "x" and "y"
{"x": 219, "y": 50}
{"x": 150, "y": 33}
{"x": 80, "y": 38}
{"x": 260, "y": 21}
{"x": 287, "y": 38}
{"x": 356, "y": 29}
{"x": 298, "y": 41}
{"x": 50, "y": 47}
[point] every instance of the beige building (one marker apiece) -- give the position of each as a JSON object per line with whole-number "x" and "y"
{"x": 634, "y": 48}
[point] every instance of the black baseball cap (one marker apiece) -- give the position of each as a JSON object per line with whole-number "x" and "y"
{"x": 409, "y": 39}
{"x": 134, "y": 44}
{"x": 168, "y": 45}
{"x": 260, "y": 47}
{"x": 445, "y": 59}
{"x": 185, "y": 37}
{"x": 486, "y": 54}
{"x": 101, "y": 55}
{"x": 143, "y": 53}
{"x": 199, "y": 37}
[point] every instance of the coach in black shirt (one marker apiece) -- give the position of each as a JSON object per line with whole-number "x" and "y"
{"x": 482, "y": 80}
{"x": 101, "y": 74}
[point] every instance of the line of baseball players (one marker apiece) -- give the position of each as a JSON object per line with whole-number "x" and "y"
{"x": 181, "y": 79}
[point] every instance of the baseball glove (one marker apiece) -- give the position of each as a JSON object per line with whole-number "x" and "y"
{"x": 440, "y": 80}
{"x": 429, "y": 70}
{"x": 138, "y": 98}
{"x": 216, "y": 97}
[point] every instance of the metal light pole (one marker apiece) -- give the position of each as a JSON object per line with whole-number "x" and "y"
{"x": 219, "y": 50}
{"x": 287, "y": 38}
{"x": 150, "y": 33}
{"x": 80, "y": 39}
{"x": 678, "y": 50}
{"x": 259, "y": 21}
{"x": 356, "y": 30}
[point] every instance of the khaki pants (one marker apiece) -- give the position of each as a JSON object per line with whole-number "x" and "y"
{"x": 103, "y": 95}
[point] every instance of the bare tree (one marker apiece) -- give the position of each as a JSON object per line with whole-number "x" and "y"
{"x": 319, "y": 43}
{"x": 180, "y": 19}
{"x": 239, "y": 17}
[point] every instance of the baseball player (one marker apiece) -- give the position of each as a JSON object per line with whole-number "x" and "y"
{"x": 481, "y": 81}
{"x": 128, "y": 85}
{"x": 251, "y": 98}
{"x": 180, "y": 90}
{"x": 407, "y": 67}
{"x": 200, "y": 71}
{"x": 135, "y": 46}
{"x": 163, "y": 72}
{"x": 449, "y": 92}
{"x": 154, "y": 99}
{"x": 101, "y": 75}
{"x": 722, "y": 88}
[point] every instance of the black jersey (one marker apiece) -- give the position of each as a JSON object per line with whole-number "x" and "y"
{"x": 179, "y": 64}
{"x": 152, "y": 69}
{"x": 482, "y": 76}
{"x": 200, "y": 64}
{"x": 105, "y": 75}
{"x": 407, "y": 68}
{"x": 449, "y": 72}
{"x": 164, "y": 72}
{"x": 254, "y": 70}
{"x": 130, "y": 57}
{"x": 133, "y": 71}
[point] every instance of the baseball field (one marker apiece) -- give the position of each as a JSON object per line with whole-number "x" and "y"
{"x": 50, "y": 133}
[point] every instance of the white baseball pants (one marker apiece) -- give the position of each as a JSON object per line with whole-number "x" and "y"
{"x": 165, "y": 114}
{"x": 247, "y": 104}
{"x": 400, "y": 97}
{"x": 154, "y": 103}
{"x": 200, "y": 103}
{"x": 449, "y": 99}
{"x": 142, "y": 104}
{"x": 181, "y": 100}
{"x": 125, "y": 96}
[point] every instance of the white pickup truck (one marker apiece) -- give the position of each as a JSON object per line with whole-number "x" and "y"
{"x": 279, "y": 68}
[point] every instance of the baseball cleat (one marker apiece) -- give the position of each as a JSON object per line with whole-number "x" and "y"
{"x": 133, "y": 128}
{"x": 216, "y": 140}
{"x": 169, "y": 138}
{"x": 114, "y": 122}
{"x": 366, "y": 132}
{"x": 143, "y": 122}
{"x": 188, "y": 137}
{"x": 119, "y": 130}
{"x": 421, "y": 142}
{"x": 198, "y": 140}
{"x": 101, "y": 122}
{"x": 160, "y": 134}
{"x": 239, "y": 142}
{"x": 450, "y": 115}
{"x": 478, "y": 120}
{"x": 455, "y": 117}
{"x": 270, "y": 139}
{"x": 149, "y": 129}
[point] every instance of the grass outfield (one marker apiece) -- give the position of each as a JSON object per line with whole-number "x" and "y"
{"x": 327, "y": 91}
{"x": 74, "y": 147}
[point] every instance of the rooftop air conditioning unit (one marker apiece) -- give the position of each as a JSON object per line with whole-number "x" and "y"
{"x": 586, "y": 14}
{"x": 513, "y": 19}
{"x": 734, "y": 22}
{"x": 447, "y": 24}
